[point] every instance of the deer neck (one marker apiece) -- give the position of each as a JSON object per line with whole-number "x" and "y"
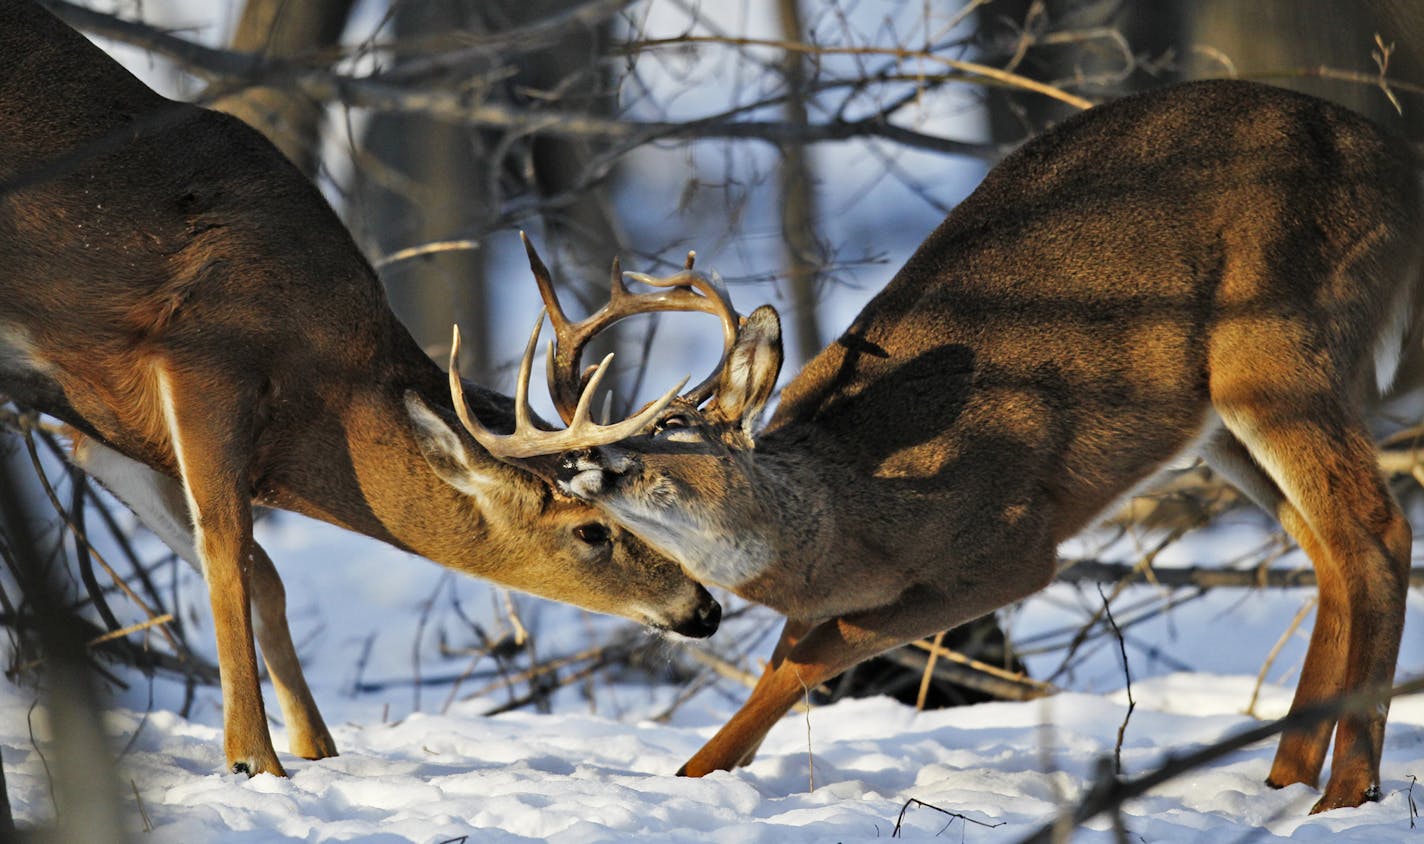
{"x": 360, "y": 467}
{"x": 800, "y": 502}
{"x": 845, "y": 510}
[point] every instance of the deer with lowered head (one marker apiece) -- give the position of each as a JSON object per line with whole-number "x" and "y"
{"x": 179, "y": 294}
{"x": 1220, "y": 268}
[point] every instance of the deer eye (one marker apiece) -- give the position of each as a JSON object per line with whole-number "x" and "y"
{"x": 674, "y": 420}
{"x": 592, "y": 533}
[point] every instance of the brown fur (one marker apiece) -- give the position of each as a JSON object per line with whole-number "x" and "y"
{"x": 1214, "y": 249}
{"x": 150, "y": 248}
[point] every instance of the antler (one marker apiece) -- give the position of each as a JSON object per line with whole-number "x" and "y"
{"x": 528, "y": 441}
{"x": 687, "y": 290}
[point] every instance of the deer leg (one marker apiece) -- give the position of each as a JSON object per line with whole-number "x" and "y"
{"x": 830, "y": 647}
{"x": 159, "y": 503}
{"x": 1323, "y": 463}
{"x": 1301, "y": 752}
{"x": 791, "y": 633}
{"x": 205, "y": 422}
{"x": 308, "y": 736}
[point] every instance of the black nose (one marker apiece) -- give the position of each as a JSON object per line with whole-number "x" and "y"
{"x": 704, "y": 622}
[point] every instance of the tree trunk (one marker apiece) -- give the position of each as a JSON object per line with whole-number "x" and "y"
{"x": 287, "y": 29}
{"x": 430, "y": 181}
{"x": 798, "y": 200}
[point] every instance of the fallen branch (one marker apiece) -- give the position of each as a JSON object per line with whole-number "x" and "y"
{"x": 1203, "y": 577}
{"x": 954, "y": 667}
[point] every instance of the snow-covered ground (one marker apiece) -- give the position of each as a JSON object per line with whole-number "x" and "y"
{"x": 598, "y": 768}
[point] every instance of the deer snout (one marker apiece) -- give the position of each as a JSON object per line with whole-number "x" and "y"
{"x": 588, "y": 473}
{"x": 704, "y": 619}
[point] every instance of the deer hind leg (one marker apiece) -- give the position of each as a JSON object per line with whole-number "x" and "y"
{"x": 1301, "y": 753}
{"x": 209, "y": 426}
{"x": 308, "y": 736}
{"x": 1332, "y": 499}
{"x": 159, "y": 502}
{"x": 830, "y": 647}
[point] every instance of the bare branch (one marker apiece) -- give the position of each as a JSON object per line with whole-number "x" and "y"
{"x": 1204, "y": 577}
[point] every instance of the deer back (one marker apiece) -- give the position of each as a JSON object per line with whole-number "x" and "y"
{"x": 1057, "y": 337}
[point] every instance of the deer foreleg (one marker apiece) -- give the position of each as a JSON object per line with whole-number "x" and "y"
{"x": 159, "y": 502}
{"x": 833, "y": 646}
{"x": 212, "y": 446}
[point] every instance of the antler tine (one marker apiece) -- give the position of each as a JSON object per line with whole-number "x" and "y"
{"x": 581, "y": 415}
{"x": 523, "y": 413}
{"x": 457, "y": 395}
{"x": 686, "y": 290}
{"x": 544, "y": 280}
{"x": 569, "y": 337}
{"x": 584, "y": 433}
{"x": 629, "y": 427}
{"x": 617, "y": 289}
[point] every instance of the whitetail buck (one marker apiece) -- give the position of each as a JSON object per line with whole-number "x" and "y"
{"x": 176, "y": 291}
{"x": 1219, "y": 267}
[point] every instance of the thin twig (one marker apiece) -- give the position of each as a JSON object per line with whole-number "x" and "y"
{"x": 166, "y": 618}
{"x": 34, "y": 742}
{"x": 1205, "y": 577}
{"x": 143, "y": 812}
{"x": 77, "y": 531}
{"x": 1031, "y": 688}
{"x": 1295, "y": 622}
{"x": 810, "y": 756}
{"x": 928, "y": 675}
{"x": 1001, "y": 77}
{"x": 900, "y": 819}
{"x": 1381, "y": 55}
{"x": 425, "y": 249}
{"x": 1127, "y": 674}
{"x": 732, "y": 672}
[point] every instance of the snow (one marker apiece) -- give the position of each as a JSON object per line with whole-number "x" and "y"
{"x": 598, "y": 768}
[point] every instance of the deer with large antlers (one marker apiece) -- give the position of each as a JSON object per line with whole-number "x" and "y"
{"x": 177, "y": 292}
{"x": 1221, "y": 268}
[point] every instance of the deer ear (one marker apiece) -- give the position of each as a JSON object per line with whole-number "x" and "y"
{"x": 452, "y": 459}
{"x": 749, "y": 375}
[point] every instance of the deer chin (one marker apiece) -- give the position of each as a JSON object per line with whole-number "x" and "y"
{"x": 700, "y": 625}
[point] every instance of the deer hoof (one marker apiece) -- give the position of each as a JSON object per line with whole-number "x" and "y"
{"x": 1371, "y": 794}
{"x": 251, "y": 768}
